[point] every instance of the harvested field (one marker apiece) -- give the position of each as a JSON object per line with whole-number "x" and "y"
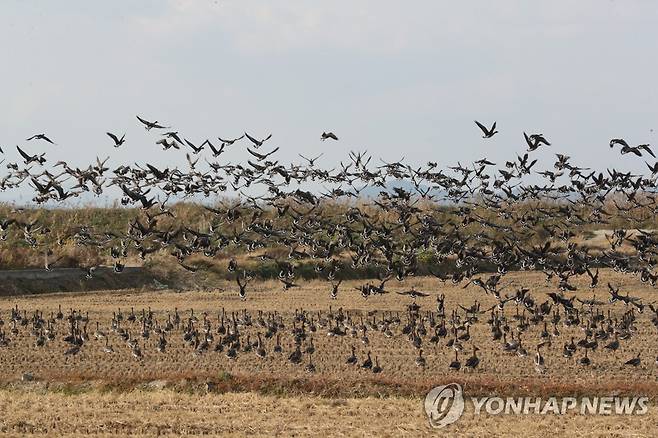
{"x": 498, "y": 370}
{"x": 149, "y": 413}
{"x": 149, "y": 390}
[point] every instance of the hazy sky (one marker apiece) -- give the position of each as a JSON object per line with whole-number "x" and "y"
{"x": 396, "y": 78}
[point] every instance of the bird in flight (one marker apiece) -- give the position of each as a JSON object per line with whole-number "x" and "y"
{"x": 413, "y": 293}
{"x": 117, "y": 141}
{"x": 618, "y": 141}
{"x": 488, "y": 133}
{"x": 628, "y": 149}
{"x": 230, "y": 142}
{"x": 261, "y": 157}
{"x": 534, "y": 141}
{"x": 257, "y": 143}
{"x": 311, "y": 161}
{"x": 326, "y": 135}
{"x": 150, "y": 125}
{"x": 31, "y": 158}
{"x": 40, "y": 137}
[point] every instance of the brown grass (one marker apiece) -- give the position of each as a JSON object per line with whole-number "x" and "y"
{"x": 166, "y": 412}
{"x": 166, "y": 393}
{"x": 498, "y": 371}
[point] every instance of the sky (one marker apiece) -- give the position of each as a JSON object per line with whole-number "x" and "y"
{"x": 399, "y": 79}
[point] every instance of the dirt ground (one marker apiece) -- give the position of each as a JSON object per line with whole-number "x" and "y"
{"x": 498, "y": 370}
{"x": 165, "y": 412}
{"x": 180, "y": 392}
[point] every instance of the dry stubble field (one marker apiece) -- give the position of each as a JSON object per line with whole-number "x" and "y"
{"x": 166, "y": 392}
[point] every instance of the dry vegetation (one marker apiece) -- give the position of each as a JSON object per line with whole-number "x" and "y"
{"x": 123, "y": 395}
{"x": 58, "y": 227}
{"x": 497, "y": 369}
{"x": 141, "y": 413}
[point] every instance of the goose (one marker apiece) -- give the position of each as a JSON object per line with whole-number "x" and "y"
{"x": 352, "y": 359}
{"x": 257, "y": 143}
{"x": 150, "y": 125}
{"x": 260, "y": 350}
{"x": 40, "y": 137}
{"x": 107, "y": 348}
{"x": 310, "y": 349}
{"x": 455, "y": 365}
{"x": 376, "y": 369}
{"x": 539, "y": 360}
{"x": 310, "y": 368}
{"x": 634, "y": 362}
{"x": 566, "y": 351}
{"x": 473, "y": 361}
{"x": 72, "y": 351}
{"x": 487, "y": 133}
{"x": 40, "y": 341}
{"x": 613, "y": 345}
{"x": 420, "y": 360}
{"x": 230, "y": 141}
{"x": 296, "y": 356}
{"x": 99, "y": 334}
{"x": 136, "y": 351}
{"x": 367, "y": 364}
{"x": 277, "y": 347}
{"x": 232, "y": 352}
{"x": 117, "y": 141}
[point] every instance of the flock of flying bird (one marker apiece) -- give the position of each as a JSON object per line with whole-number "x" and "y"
{"x": 466, "y": 224}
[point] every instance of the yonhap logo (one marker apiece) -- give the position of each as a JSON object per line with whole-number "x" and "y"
{"x": 444, "y": 405}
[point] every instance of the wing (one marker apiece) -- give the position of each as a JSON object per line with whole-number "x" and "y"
{"x": 482, "y": 127}
{"x": 257, "y": 155}
{"x": 145, "y": 122}
{"x": 253, "y": 140}
{"x": 648, "y": 149}
{"x": 270, "y": 153}
{"x": 23, "y": 154}
{"x": 113, "y": 137}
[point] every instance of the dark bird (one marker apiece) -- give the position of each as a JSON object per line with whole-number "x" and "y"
{"x": 195, "y": 149}
{"x": 150, "y": 125}
{"x": 40, "y": 137}
{"x": 311, "y": 161}
{"x": 326, "y": 135}
{"x": 618, "y": 141}
{"x": 413, "y": 294}
{"x": 261, "y": 157}
{"x": 487, "y": 133}
{"x": 634, "y": 362}
{"x": 31, "y": 158}
{"x": 117, "y": 141}
{"x": 534, "y": 141}
{"x": 257, "y": 143}
{"x": 230, "y": 142}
